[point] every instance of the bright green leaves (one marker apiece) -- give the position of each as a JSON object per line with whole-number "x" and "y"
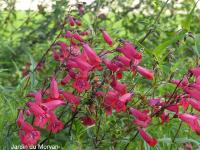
{"x": 187, "y": 22}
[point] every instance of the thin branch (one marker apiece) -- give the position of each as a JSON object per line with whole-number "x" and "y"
{"x": 126, "y": 147}
{"x": 156, "y": 20}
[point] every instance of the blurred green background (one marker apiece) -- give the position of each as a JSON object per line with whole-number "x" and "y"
{"x": 172, "y": 46}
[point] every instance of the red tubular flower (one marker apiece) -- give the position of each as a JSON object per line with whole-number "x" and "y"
{"x": 41, "y": 117}
{"x": 64, "y": 47}
{"x": 154, "y": 102}
{"x": 28, "y": 135}
{"x": 191, "y": 120}
{"x": 195, "y": 71}
{"x": 71, "y": 98}
{"x": 83, "y": 65}
{"x": 193, "y": 92}
{"x": 173, "y": 108}
{"x": 145, "y": 72}
{"x": 129, "y": 51}
{"x": 71, "y": 21}
{"x": 139, "y": 115}
{"x": 195, "y": 104}
{"x": 66, "y": 79}
{"x": 188, "y": 146}
{"x": 119, "y": 74}
{"x": 124, "y": 60}
{"x": 81, "y": 84}
{"x": 78, "y": 22}
{"x": 52, "y": 105}
{"x": 110, "y": 65}
{"x": 111, "y": 98}
{"x": 184, "y": 103}
{"x": 150, "y": 140}
{"x": 142, "y": 124}
{"x": 68, "y": 34}
{"x": 54, "y": 89}
{"x": 121, "y": 88}
{"x": 87, "y": 121}
{"x": 77, "y": 37}
{"x": 126, "y": 97}
{"x": 54, "y": 125}
{"x": 35, "y": 108}
{"x": 179, "y": 83}
{"x": 92, "y": 56}
{"x": 164, "y": 117}
{"x": 107, "y": 38}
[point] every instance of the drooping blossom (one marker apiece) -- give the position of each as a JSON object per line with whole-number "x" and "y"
{"x": 129, "y": 51}
{"x": 195, "y": 71}
{"x": 54, "y": 124}
{"x": 118, "y": 86}
{"x": 87, "y": 121}
{"x": 145, "y": 72}
{"x": 121, "y": 102}
{"x": 150, "y": 140}
{"x": 54, "y": 88}
{"x": 107, "y": 37}
{"x": 71, "y": 98}
{"x": 81, "y": 84}
{"x": 191, "y": 120}
{"x": 27, "y": 133}
{"x": 91, "y": 54}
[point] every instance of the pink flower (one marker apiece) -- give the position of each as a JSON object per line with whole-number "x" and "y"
{"x": 184, "y": 103}
{"x": 195, "y": 104}
{"x": 54, "y": 89}
{"x": 174, "y": 108}
{"x": 107, "y": 38}
{"x": 139, "y": 114}
{"x": 28, "y": 135}
{"x": 81, "y": 84}
{"x": 66, "y": 79}
{"x": 195, "y": 71}
{"x": 77, "y": 37}
{"x": 151, "y": 141}
{"x": 54, "y": 124}
{"x": 180, "y": 83}
{"x": 110, "y": 65}
{"x": 68, "y": 34}
{"x": 91, "y": 54}
{"x": 142, "y": 124}
{"x": 52, "y": 105}
{"x": 87, "y": 121}
{"x": 116, "y": 85}
{"x": 188, "y": 146}
{"x": 124, "y": 60}
{"x": 80, "y": 63}
{"x": 145, "y": 72}
{"x": 41, "y": 117}
{"x": 129, "y": 51}
{"x": 71, "y": 21}
{"x": 78, "y": 22}
{"x": 154, "y": 102}
{"x": 71, "y": 98}
{"x": 193, "y": 92}
{"x": 191, "y": 120}
{"x": 164, "y": 117}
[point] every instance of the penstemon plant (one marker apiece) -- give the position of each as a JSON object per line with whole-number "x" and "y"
{"x": 93, "y": 86}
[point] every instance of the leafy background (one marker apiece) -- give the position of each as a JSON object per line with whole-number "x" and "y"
{"x": 172, "y": 46}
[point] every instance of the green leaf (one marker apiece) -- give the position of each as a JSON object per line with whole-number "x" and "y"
{"x": 159, "y": 50}
{"x": 187, "y": 22}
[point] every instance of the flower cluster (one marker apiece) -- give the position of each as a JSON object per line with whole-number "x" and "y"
{"x": 87, "y": 71}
